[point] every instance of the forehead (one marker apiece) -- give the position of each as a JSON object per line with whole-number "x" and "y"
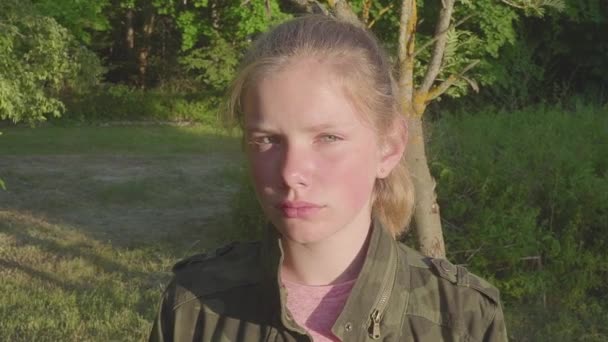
{"x": 305, "y": 92}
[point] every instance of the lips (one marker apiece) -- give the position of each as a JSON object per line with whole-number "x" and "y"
{"x": 298, "y": 209}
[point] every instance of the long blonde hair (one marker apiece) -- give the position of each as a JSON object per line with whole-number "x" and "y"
{"x": 355, "y": 56}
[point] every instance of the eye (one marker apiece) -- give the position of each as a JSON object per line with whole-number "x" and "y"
{"x": 330, "y": 138}
{"x": 263, "y": 142}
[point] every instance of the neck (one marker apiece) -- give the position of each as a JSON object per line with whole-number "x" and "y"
{"x": 334, "y": 260}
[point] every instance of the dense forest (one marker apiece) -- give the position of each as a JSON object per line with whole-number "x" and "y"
{"x": 67, "y": 56}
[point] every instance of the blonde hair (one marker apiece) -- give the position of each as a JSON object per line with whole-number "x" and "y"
{"x": 355, "y": 56}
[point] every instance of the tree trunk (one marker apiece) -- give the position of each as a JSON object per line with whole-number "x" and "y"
{"x": 130, "y": 32}
{"x": 144, "y": 49}
{"x": 426, "y": 219}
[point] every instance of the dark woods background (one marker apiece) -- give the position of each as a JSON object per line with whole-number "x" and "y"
{"x": 518, "y": 147}
{"x": 182, "y": 51}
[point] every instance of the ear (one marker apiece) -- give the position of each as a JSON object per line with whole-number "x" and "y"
{"x": 392, "y": 147}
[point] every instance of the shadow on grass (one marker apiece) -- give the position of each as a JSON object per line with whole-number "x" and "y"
{"x": 80, "y": 250}
{"x": 36, "y": 274}
{"x": 86, "y": 283}
{"x": 78, "y": 237}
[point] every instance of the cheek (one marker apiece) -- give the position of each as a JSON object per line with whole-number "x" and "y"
{"x": 352, "y": 174}
{"x": 262, "y": 171}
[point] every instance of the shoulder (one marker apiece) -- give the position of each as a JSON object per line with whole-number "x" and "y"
{"x": 228, "y": 267}
{"x": 447, "y": 274}
{"x": 449, "y": 295}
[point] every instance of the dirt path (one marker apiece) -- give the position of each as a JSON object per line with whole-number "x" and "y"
{"x": 123, "y": 199}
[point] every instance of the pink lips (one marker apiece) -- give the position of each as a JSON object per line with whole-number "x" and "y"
{"x": 298, "y": 209}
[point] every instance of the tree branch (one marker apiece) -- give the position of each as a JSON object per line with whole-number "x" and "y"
{"x": 430, "y": 42}
{"x": 407, "y": 28}
{"x": 536, "y": 6}
{"x": 434, "y": 67}
{"x": 512, "y": 4}
{"x": 380, "y": 14}
{"x": 342, "y": 10}
{"x": 437, "y": 91}
{"x": 367, "y": 4}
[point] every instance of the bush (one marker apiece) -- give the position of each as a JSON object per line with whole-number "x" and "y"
{"x": 39, "y": 59}
{"x": 123, "y": 103}
{"x": 585, "y": 322}
{"x": 524, "y": 199}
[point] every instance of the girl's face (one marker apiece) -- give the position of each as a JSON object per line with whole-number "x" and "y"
{"x": 313, "y": 159}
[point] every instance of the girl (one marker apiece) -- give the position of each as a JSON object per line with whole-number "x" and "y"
{"x": 325, "y": 139}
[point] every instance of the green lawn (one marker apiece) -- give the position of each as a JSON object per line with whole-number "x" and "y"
{"x": 115, "y": 139}
{"x": 94, "y": 217}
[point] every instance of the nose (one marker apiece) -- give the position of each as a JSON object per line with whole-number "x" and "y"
{"x": 295, "y": 167}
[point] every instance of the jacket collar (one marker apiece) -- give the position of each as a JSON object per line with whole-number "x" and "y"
{"x": 374, "y": 280}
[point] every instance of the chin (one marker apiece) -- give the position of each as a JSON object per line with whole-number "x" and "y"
{"x": 303, "y": 232}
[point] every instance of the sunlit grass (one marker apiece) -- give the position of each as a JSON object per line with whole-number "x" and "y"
{"x": 116, "y": 140}
{"x": 63, "y": 285}
{"x": 94, "y": 217}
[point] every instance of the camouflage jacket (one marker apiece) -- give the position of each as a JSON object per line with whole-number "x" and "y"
{"x": 400, "y": 295}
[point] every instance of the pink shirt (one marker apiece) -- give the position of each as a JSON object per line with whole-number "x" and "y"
{"x": 316, "y": 308}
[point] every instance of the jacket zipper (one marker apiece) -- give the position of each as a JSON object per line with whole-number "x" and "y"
{"x": 382, "y": 302}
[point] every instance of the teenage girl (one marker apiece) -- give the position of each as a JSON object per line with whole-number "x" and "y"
{"x": 325, "y": 138}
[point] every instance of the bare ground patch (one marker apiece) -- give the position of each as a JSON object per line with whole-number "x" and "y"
{"x": 123, "y": 199}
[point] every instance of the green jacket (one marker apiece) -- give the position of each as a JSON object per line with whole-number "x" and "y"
{"x": 400, "y": 295}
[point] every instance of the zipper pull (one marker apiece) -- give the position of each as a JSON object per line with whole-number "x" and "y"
{"x": 375, "y": 334}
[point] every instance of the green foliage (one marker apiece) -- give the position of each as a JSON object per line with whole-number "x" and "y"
{"x": 131, "y": 104}
{"x": 533, "y": 322}
{"x": 38, "y": 59}
{"x": 513, "y": 80}
{"x": 190, "y": 28}
{"x": 79, "y": 17}
{"x": 536, "y": 7}
{"x": 554, "y": 58}
{"x": 214, "y": 65}
{"x": 203, "y": 40}
{"x": 585, "y": 10}
{"x": 490, "y": 26}
{"x": 212, "y": 48}
{"x": 525, "y": 199}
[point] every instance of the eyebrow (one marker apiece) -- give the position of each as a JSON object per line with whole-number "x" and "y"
{"x": 325, "y": 126}
{"x": 314, "y": 128}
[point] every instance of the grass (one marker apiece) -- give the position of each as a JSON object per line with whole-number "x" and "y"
{"x": 94, "y": 217}
{"x": 115, "y": 139}
{"x": 64, "y": 285}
